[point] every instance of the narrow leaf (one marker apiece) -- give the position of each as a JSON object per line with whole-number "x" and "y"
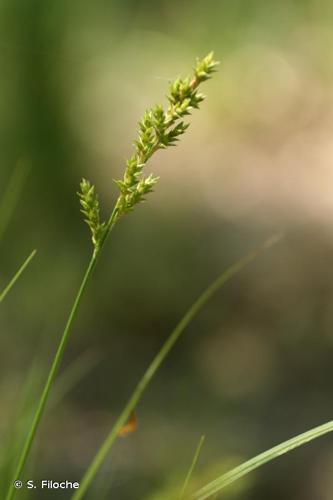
{"x": 17, "y": 275}
{"x": 147, "y": 377}
{"x": 193, "y": 464}
{"x": 256, "y": 462}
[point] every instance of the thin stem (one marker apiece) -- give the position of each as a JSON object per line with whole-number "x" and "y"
{"x": 58, "y": 357}
{"x": 263, "y": 458}
{"x": 193, "y": 464}
{"x": 51, "y": 376}
{"x": 158, "y": 360}
{"x": 16, "y": 276}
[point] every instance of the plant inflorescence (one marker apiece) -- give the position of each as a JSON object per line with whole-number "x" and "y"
{"x": 159, "y": 128}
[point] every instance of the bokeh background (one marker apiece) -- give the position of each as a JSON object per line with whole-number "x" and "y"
{"x": 255, "y": 367}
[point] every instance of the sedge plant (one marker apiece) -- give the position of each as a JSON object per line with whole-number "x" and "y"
{"x": 159, "y": 128}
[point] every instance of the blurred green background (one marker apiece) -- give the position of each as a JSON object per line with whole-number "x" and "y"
{"x": 255, "y": 367}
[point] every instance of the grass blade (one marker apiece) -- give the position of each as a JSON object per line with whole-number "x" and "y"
{"x": 160, "y": 357}
{"x": 256, "y": 462}
{"x": 16, "y": 276}
{"x": 193, "y": 464}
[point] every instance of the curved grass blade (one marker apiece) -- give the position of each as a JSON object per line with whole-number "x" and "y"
{"x": 160, "y": 357}
{"x": 16, "y": 276}
{"x": 193, "y": 464}
{"x": 256, "y": 462}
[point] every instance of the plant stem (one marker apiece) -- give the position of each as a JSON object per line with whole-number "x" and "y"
{"x": 16, "y": 276}
{"x": 51, "y": 376}
{"x": 193, "y": 464}
{"x": 259, "y": 460}
{"x": 158, "y": 360}
{"x": 58, "y": 356}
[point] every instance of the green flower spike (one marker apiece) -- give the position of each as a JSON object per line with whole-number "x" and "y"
{"x": 158, "y": 129}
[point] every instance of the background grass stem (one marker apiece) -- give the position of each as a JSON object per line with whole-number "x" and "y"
{"x": 192, "y": 466}
{"x": 16, "y": 276}
{"x": 158, "y": 360}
